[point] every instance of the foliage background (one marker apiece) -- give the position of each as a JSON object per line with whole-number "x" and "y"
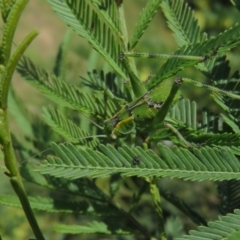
{"x": 213, "y": 16}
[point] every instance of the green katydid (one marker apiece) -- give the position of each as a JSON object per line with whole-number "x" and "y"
{"x": 149, "y": 110}
{"x": 144, "y": 109}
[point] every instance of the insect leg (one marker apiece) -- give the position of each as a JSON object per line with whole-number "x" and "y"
{"x": 213, "y": 53}
{"x": 159, "y": 55}
{"x": 211, "y": 88}
{"x": 162, "y": 112}
{"x": 179, "y": 135}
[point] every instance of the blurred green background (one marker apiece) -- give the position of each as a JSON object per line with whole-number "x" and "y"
{"x": 213, "y": 16}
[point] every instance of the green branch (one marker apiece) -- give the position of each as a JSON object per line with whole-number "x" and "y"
{"x": 8, "y": 66}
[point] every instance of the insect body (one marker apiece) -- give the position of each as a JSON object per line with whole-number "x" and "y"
{"x": 148, "y": 112}
{"x": 141, "y": 112}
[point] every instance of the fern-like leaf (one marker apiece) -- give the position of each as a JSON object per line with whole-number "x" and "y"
{"x": 207, "y": 131}
{"x": 108, "y": 10}
{"x": 69, "y": 130}
{"x": 93, "y": 227}
{"x": 186, "y": 112}
{"x": 86, "y": 22}
{"x": 61, "y": 206}
{"x": 60, "y": 64}
{"x": 107, "y": 84}
{"x": 144, "y": 19}
{"x": 182, "y": 21}
{"x": 221, "y": 43}
{"x": 46, "y": 204}
{"x": 225, "y": 228}
{"x": 202, "y": 164}
{"x": 229, "y": 105}
{"x": 229, "y": 194}
{"x": 64, "y": 94}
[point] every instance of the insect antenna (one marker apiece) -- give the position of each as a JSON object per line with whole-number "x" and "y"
{"x": 94, "y": 123}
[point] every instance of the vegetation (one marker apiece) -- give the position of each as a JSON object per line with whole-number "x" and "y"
{"x": 115, "y": 137}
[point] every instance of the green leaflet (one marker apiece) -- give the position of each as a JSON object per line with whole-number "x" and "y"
{"x": 200, "y": 164}
{"x": 86, "y": 22}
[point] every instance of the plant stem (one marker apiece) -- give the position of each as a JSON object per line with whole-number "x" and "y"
{"x": 131, "y": 219}
{"x": 20, "y": 191}
{"x": 8, "y": 64}
{"x": 157, "y": 201}
{"x": 15, "y": 178}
